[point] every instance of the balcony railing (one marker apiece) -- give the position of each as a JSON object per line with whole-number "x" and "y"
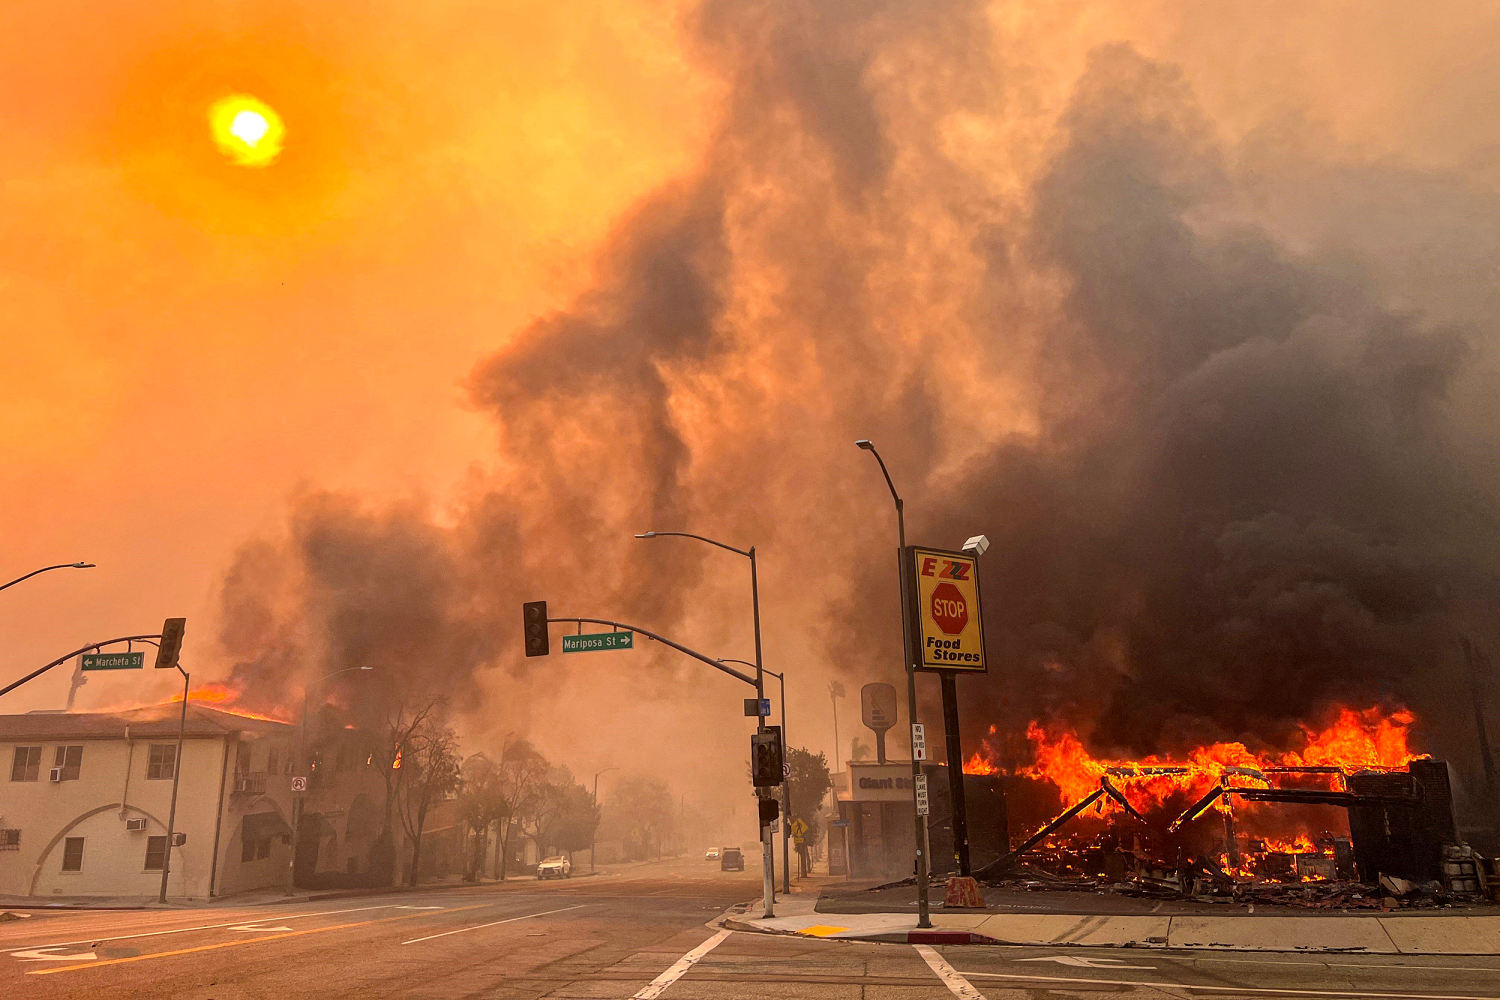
{"x": 249, "y": 783}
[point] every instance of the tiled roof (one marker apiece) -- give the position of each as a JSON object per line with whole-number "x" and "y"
{"x": 156, "y": 720}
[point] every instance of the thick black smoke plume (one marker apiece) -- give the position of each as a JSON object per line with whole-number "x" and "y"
{"x": 1231, "y": 477}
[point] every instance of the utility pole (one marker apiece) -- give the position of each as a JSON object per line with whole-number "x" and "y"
{"x": 594, "y": 833}
{"x": 835, "y": 692}
{"x": 1474, "y": 659}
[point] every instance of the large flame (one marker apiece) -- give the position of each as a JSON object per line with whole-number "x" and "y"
{"x": 222, "y": 698}
{"x": 1356, "y": 739}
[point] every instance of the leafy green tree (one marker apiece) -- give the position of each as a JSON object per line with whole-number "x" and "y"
{"x": 810, "y": 780}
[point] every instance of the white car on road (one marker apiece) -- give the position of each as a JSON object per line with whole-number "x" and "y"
{"x": 554, "y": 867}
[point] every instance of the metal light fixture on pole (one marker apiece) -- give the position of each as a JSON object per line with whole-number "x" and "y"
{"x": 760, "y": 686}
{"x": 924, "y": 915}
{"x": 44, "y": 569}
{"x": 594, "y": 833}
{"x": 297, "y": 794}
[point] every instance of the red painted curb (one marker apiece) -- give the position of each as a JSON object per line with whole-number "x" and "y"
{"x": 943, "y": 937}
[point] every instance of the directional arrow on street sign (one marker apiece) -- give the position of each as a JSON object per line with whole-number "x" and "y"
{"x": 596, "y": 641}
{"x": 112, "y": 661}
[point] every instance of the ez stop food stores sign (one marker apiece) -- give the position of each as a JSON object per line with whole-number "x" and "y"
{"x": 945, "y": 605}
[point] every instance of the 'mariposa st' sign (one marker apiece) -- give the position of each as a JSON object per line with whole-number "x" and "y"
{"x": 945, "y": 605}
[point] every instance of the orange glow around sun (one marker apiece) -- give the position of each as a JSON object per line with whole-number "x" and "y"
{"x": 246, "y": 130}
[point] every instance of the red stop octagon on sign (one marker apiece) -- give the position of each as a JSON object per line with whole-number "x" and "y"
{"x": 949, "y": 609}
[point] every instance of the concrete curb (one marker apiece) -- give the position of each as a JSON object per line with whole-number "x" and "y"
{"x": 1369, "y": 935}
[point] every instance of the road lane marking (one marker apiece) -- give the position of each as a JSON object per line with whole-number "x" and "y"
{"x": 1363, "y": 994}
{"x": 495, "y": 923}
{"x": 255, "y": 927}
{"x": 951, "y": 977}
{"x": 1086, "y": 962}
{"x": 678, "y": 968}
{"x": 238, "y": 942}
{"x": 1351, "y": 965}
{"x": 182, "y": 930}
{"x": 38, "y": 955}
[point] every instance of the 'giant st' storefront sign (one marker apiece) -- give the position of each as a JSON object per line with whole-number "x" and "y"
{"x": 943, "y": 593}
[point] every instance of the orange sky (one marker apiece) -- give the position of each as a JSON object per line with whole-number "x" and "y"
{"x": 189, "y": 343}
{"x": 187, "y": 340}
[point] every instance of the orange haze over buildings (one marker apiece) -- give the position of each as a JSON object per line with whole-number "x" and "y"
{"x": 343, "y": 329}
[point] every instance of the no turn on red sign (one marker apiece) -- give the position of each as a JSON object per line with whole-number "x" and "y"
{"x": 945, "y": 599}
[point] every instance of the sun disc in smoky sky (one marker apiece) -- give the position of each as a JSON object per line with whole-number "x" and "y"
{"x": 246, "y": 130}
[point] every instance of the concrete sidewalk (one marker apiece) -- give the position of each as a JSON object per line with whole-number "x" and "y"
{"x": 1435, "y": 934}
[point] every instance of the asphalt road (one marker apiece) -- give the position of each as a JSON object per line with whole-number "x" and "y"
{"x": 639, "y": 932}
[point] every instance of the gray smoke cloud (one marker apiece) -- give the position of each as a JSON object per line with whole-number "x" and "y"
{"x": 1234, "y": 468}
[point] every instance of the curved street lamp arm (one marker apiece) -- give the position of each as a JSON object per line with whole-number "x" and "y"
{"x": 689, "y": 534}
{"x": 68, "y": 656}
{"x": 28, "y": 576}
{"x": 870, "y": 447}
{"x": 659, "y": 638}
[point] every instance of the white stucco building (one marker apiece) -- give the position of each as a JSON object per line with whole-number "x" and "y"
{"x": 84, "y": 799}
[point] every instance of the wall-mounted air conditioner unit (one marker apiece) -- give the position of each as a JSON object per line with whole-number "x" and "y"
{"x": 135, "y": 825}
{"x": 55, "y": 774}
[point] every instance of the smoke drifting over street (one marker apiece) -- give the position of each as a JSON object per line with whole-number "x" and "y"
{"x": 1232, "y": 448}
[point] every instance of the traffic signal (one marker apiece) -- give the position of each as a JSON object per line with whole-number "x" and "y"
{"x": 534, "y": 614}
{"x": 765, "y": 757}
{"x": 769, "y": 810}
{"x": 171, "y": 643}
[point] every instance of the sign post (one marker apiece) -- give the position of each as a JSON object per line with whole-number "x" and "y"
{"x": 949, "y": 640}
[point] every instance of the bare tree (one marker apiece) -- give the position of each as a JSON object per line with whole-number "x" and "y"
{"x": 427, "y": 770}
{"x": 404, "y": 717}
{"x": 481, "y": 806}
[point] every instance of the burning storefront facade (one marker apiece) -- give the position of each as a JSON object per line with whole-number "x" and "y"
{"x": 1354, "y": 802}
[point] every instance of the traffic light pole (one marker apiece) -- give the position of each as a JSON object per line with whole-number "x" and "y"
{"x": 756, "y": 681}
{"x": 166, "y": 860}
{"x": 77, "y": 652}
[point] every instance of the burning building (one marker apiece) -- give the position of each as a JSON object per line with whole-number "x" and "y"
{"x": 1354, "y": 801}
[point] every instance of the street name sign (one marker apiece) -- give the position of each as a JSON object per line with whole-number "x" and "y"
{"x": 918, "y": 742}
{"x": 839, "y": 824}
{"x": 922, "y": 806}
{"x": 113, "y": 661}
{"x": 597, "y": 641}
{"x": 944, "y": 602}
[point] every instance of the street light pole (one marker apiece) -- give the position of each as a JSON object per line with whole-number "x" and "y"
{"x": 924, "y": 917}
{"x": 297, "y": 797}
{"x": 769, "y": 862}
{"x": 44, "y": 569}
{"x": 593, "y": 834}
